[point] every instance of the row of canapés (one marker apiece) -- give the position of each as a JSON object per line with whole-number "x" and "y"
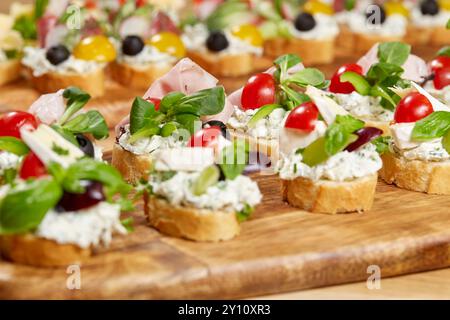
{"x": 186, "y": 146}
{"x": 62, "y": 43}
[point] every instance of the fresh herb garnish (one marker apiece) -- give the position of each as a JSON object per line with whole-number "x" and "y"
{"x": 435, "y": 125}
{"x": 13, "y": 145}
{"x": 128, "y": 224}
{"x": 245, "y": 213}
{"x": 59, "y": 150}
{"x": 445, "y": 51}
{"x": 382, "y": 144}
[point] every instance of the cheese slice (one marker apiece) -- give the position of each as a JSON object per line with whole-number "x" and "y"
{"x": 291, "y": 139}
{"x": 328, "y": 108}
{"x": 183, "y": 159}
{"x": 50, "y": 146}
{"x": 437, "y": 105}
{"x": 401, "y": 133}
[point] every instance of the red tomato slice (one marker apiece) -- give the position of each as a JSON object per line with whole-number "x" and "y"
{"x": 442, "y": 78}
{"x": 11, "y": 123}
{"x": 32, "y": 167}
{"x": 413, "y": 107}
{"x": 336, "y": 86}
{"x": 439, "y": 62}
{"x": 206, "y": 138}
{"x": 156, "y": 102}
{"x": 303, "y": 117}
{"x": 259, "y": 91}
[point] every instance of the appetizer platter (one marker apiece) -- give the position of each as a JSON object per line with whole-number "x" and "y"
{"x": 177, "y": 176}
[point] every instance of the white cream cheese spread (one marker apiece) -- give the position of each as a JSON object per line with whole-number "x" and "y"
{"x": 326, "y": 28}
{"x": 443, "y": 94}
{"x": 364, "y": 107}
{"x": 8, "y": 161}
{"x": 149, "y": 55}
{"x": 394, "y": 25}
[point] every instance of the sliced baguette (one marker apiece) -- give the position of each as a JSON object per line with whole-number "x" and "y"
{"x": 139, "y": 78}
{"x": 416, "y": 175}
{"x": 329, "y": 196}
{"x": 93, "y": 83}
{"x": 417, "y": 36}
{"x": 224, "y": 65}
{"x": 133, "y": 167}
{"x": 190, "y": 223}
{"x": 440, "y": 36}
{"x": 311, "y": 51}
{"x": 39, "y": 252}
{"x": 9, "y": 71}
{"x": 364, "y": 42}
{"x": 345, "y": 41}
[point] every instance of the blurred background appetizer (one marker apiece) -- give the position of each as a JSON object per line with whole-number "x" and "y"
{"x": 438, "y": 85}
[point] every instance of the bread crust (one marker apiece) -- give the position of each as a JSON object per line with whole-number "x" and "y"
{"x": 440, "y": 36}
{"x": 9, "y": 71}
{"x": 311, "y": 51}
{"x": 329, "y": 196}
{"x": 139, "y": 78}
{"x": 416, "y": 175}
{"x": 224, "y": 65}
{"x": 345, "y": 41}
{"x": 190, "y": 223}
{"x": 39, "y": 252}
{"x": 417, "y": 36}
{"x": 93, "y": 83}
{"x": 364, "y": 42}
{"x": 133, "y": 167}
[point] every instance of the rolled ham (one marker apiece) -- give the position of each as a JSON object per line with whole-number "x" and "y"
{"x": 415, "y": 68}
{"x": 49, "y": 108}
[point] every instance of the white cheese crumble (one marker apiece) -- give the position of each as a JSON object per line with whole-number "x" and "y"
{"x": 8, "y": 161}
{"x": 228, "y": 195}
{"x": 35, "y": 59}
{"x": 326, "y": 28}
{"x": 149, "y": 55}
{"x": 267, "y": 127}
{"x": 343, "y": 166}
{"x": 194, "y": 38}
{"x": 393, "y": 26}
{"x": 443, "y": 94}
{"x": 426, "y": 151}
{"x": 93, "y": 226}
{"x": 149, "y": 144}
{"x": 425, "y": 20}
{"x": 364, "y": 107}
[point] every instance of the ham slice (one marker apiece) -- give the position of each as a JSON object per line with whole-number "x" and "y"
{"x": 186, "y": 77}
{"x": 415, "y": 68}
{"x": 49, "y": 108}
{"x": 56, "y": 7}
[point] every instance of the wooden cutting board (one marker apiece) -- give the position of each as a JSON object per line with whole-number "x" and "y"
{"x": 280, "y": 249}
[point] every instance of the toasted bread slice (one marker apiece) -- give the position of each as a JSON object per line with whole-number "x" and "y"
{"x": 331, "y": 197}
{"x": 39, "y": 252}
{"x": 139, "y": 78}
{"x": 364, "y": 42}
{"x": 416, "y": 175}
{"x": 190, "y": 223}
{"x": 9, "y": 71}
{"x": 345, "y": 41}
{"x": 311, "y": 51}
{"x": 418, "y": 36}
{"x": 133, "y": 167}
{"x": 93, "y": 83}
{"x": 224, "y": 65}
{"x": 440, "y": 36}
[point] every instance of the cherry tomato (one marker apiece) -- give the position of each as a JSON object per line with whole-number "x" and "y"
{"x": 11, "y": 123}
{"x": 259, "y": 91}
{"x": 303, "y": 117}
{"x": 156, "y": 102}
{"x": 95, "y": 48}
{"x": 396, "y": 8}
{"x": 413, "y": 107}
{"x": 314, "y": 6}
{"x": 91, "y": 4}
{"x": 168, "y": 42}
{"x": 249, "y": 33}
{"x": 337, "y": 86}
{"x": 206, "y": 138}
{"x": 442, "y": 78}
{"x": 444, "y": 5}
{"x": 32, "y": 167}
{"x": 439, "y": 62}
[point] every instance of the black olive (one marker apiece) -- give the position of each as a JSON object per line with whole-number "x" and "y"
{"x": 429, "y": 7}
{"x": 57, "y": 54}
{"x": 217, "y": 41}
{"x": 375, "y": 15}
{"x": 216, "y": 123}
{"x": 85, "y": 145}
{"x": 132, "y": 45}
{"x": 92, "y": 195}
{"x": 304, "y": 22}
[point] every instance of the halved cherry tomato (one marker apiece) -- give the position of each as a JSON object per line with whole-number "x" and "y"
{"x": 91, "y": 4}
{"x": 206, "y": 138}
{"x": 442, "y": 78}
{"x": 259, "y": 91}
{"x": 156, "y": 102}
{"x": 168, "y": 42}
{"x": 303, "y": 117}
{"x": 413, "y": 107}
{"x": 95, "y": 48}
{"x": 11, "y": 123}
{"x": 439, "y": 62}
{"x": 32, "y": 167}
{"x": 336, "y": 86}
